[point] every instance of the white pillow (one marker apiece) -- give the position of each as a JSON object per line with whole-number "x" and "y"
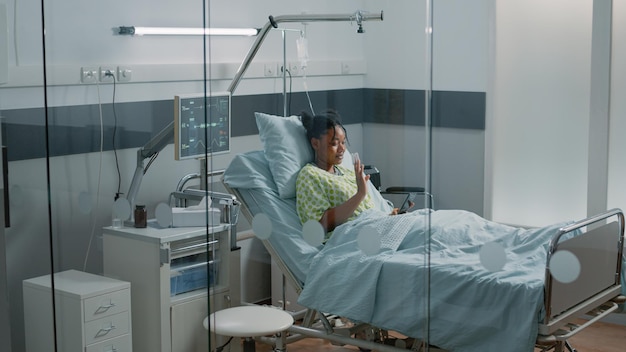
{"x": 286, "y": 149}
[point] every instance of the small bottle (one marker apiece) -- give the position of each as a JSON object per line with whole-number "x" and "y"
{"x": 141, "y": 216}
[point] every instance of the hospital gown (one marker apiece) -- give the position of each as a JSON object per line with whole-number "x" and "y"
{"x": 318, "y": 190}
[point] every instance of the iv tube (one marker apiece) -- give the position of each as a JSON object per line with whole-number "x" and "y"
{"x": 302, "y": 45}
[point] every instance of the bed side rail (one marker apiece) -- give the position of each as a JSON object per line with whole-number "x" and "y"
{"x": 599, "y": 249}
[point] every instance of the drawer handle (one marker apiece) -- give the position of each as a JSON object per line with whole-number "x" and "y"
{"x": 195, "y": 246}
{"x": 105, "y": 331}
{"x": 104, "y": 308}
{"x": 176, "y": 270}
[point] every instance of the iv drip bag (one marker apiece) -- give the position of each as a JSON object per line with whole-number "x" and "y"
{"x": 303, "y": 51}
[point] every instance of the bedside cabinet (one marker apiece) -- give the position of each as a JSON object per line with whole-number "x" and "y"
{"x": 92, "y": 313}
{"x": 176, "y": 273}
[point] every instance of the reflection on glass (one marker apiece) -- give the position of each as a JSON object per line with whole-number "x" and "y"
{"x": 84, "y": 202}
{"x": 163, "y": 214}
{"x": 492, "y": 256}
{"x": 262, "y": 226}
{"x": 368, "y": 240}
{"x": 121, "y": 209}
{"x": 564, "y": 266}
{"x": 17, "y": 197}
{"x": 313, "y": 233}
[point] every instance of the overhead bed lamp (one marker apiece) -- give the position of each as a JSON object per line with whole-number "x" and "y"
{"x": 132, "y": 30}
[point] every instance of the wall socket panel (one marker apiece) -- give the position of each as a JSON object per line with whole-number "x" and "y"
{"x": 270, "y": 70}
{"x": 124, "y": 74}
{"x": 107, "y": 74}
{"x": 88, "y": 74}
{"x": 345, "y": 68}
{"x": 294, "y": 68}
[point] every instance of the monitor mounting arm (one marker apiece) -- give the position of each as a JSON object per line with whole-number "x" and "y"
{"x": 149, "y": 150}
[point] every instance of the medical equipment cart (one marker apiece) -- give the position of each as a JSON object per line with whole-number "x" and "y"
{"x": 176, "y": 273}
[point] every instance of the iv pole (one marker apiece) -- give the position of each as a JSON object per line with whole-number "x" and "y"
{"x": 273, "y": 22}
{"x": 152, "y": 148}
{"x": 285, "y": 68}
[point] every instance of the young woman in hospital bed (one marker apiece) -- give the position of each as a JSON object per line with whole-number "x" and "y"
{"x": 326, "y": 191}
{"x": 476, "y": 284}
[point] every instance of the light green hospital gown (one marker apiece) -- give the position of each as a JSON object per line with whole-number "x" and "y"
{"x": 318, "y": 190}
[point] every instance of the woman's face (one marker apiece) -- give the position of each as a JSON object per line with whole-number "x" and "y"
{"x": 329, "y": 148}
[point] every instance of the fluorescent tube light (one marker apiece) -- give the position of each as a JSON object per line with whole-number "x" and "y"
{"x": 187, "y": 31}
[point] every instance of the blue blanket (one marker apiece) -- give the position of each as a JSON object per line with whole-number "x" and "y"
{"x": 470, "y": 308}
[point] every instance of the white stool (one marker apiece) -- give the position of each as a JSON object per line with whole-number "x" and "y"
{"x": 248, "y": 322}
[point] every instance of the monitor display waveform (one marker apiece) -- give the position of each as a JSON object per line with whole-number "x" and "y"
{"x": 198, "y": 118}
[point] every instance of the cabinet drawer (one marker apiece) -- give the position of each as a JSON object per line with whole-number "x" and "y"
{"x": 107, "y": 327}
{"x": 107, "y": 304}
{"x": 119, "y": 344}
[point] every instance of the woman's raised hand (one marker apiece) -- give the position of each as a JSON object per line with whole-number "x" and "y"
{"x": 361, "y": 177}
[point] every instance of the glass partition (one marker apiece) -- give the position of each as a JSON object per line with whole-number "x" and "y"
{"x": 153, "y": 175}
{"x": 25, "y": 235}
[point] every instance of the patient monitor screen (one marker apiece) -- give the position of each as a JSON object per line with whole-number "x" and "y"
{"x": 201, "y": 125}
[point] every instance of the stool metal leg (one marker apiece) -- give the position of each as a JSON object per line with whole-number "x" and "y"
{"x": 249, "y": 345}
{"x": 281, "y": 342}
{"x": 569, "y": 347}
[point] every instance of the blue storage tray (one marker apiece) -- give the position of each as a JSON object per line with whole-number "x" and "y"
{"x": 192, "y": 279}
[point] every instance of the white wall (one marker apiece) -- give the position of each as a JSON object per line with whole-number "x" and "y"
{"x": 617, "y": 142}
{"x": 396, "y": 50}
{"x": 534, "y": 60}
{"x": 457, "y": 170}
{"x": 538, "y": 116}
{"x": 164, "y": 66}
{"x": 616, "y": 195}
{"x": 396, "y": 58}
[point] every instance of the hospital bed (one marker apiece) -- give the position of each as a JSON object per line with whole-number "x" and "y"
{"x": 544, "y": 310}
{"x": 426, "y": 279}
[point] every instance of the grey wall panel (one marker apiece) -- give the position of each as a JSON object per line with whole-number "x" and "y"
{"x": 76, "y": 129}
{"x": 464, "y": 110}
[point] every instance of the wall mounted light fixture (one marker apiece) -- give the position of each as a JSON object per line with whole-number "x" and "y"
{"x": 132, "y": 30}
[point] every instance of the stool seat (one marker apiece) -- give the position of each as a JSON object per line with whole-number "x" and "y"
{"x": 248, "y": 321}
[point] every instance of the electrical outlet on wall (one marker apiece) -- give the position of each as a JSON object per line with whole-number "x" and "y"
{"x": 107, "y": 74}
{"x": 124, "y": 74}
{"x": 294, "y": 68}
{"x": 88, "y": 74}
{"x": 270, "y": 70}
{"x": 345, "y": 68}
